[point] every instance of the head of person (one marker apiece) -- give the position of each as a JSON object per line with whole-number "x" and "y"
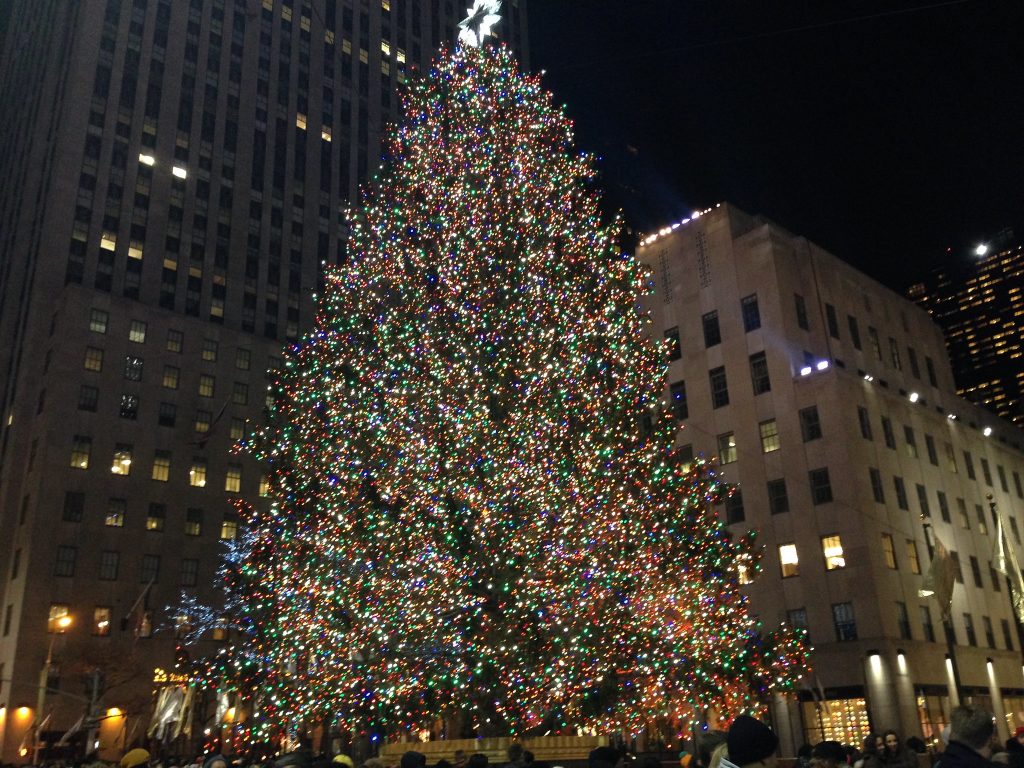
{"x": 477, "y": 760}
{"x": 343, "y": 760}
{"x": 460, "y": 758}
{"x": 603, "y": 757}
{"x": 828, "y": 754}
{"x": 215, "y": 761}
{"x": 413, "y": 759}
{"x": 707, "y": 743}
{"x": 973, "y": 727}
{"x": 515, "y": 752}
{"x": 134, "y": 758}
{"x": 296, "y": 759}
{"x": 892, "y": 742}
{"x": 1019, "y": 735}
{"x": 751, "y": 743}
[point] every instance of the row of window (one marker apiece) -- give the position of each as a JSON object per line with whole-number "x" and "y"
{"x": 948, "y": 459}
{"x": 167, "y": 413}
{"x": 110, "y": 563}
{"x": 121, "y": 464}
{"x": 116, "y": 511}
{"x": 845, "y": 625}
{"x": 102, "y": 616}
{"x": 99, "y": 321}
{"x": 719, "y": 384}
{"x": 831, "y": 550}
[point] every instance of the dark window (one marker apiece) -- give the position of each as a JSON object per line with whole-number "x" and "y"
{"x": 129, "y": 406}
{"x": 957, "y": 570}
{"x": 903, "y": 621}
{"x": 719, "y": 387}
{"x": 821, "y": 487}
{"x": 929, "y": 444}
{"x": 759, "y": 373}
{"x": 922, "y": 500}
{"x": 927, "y": 627}
{"x": 1007, "y": 637}
{"x": 911, "y": 441}
{"x": 149, "y": 573}
{"x": 189, "y": 572}
{"x": 810, "y": 424}
{"x": 854, "y": 331}
{"x": 133, "y": 368}
{"x": 778, "y": 498}
{"x": 712, "y": 333}
{"x": 797, "y": 618}
{"x": 832, "y": 320}
{"x": 986, "y": 471}
{"x": 74, "y": 506}
{"x": 734, "y": 507}
{"x": 675, "y": 350}
{"x": 66, "y": 557}
{"x": 914, "y": 367}
{"x": 930, "y": 367}
{"x": 842, "y": 617}
{"x": 156, "y": 516}
{"x": 167, "y": 415}
{"x": 887, "y": 433}
{"x": 87, "y": 398}
{"x": 976, "y": 572}
{"x": 876, "y": 346}
{"x": 1002, "y": 478}
{"x": 109, "y": 563}
{"x": 751, "y": 313}
{"x": 193, "y": 522}
{"x": 865, "y": 422}
{"x": 972, "y": 639}
{"x": 943, "y": 504}
{"x": 678, "y": 394}
{"x": 801, "y": 311}
{"x": 876, "y": 485}
{"x": 969, "y": 463}
{"x": 901, "y": 493}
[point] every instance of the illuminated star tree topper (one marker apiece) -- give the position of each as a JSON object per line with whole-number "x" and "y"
{"x": 478, "y": 25}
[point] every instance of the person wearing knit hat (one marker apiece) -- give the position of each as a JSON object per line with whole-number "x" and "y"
{"x": 750, "y": 743}
{"x": 344, "y": 760}
{"x": 215, "y": 760}
{"x": 134, "y": 757}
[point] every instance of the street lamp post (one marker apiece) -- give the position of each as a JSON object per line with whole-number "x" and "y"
{"x": 44, "y": 683}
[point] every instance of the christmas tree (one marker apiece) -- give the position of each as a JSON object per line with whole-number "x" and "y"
{"x": 477, "y": 514}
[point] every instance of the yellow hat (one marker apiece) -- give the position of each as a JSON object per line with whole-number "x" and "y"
{"x": 134, "y": 757}
{"x": 344, "y": 760}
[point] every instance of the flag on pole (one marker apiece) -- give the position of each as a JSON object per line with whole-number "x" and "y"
{"x": 1005, "y": 561}
{"x": 939, "y": 580}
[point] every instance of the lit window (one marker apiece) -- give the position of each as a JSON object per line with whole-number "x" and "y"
{"x": 243, "y": 359}
{"x": 210, "y": 350}
{"x": 81, "y": 446}
{"x": 116, "y": 509}
{"x": 325, "y": 133}
{"x": 171, "y": 377}
{"x": 59, "y": 618}
{"x": 101, "y": 621}
{"x": 264, "y": 490}
{"x": 240, "y": 393}
{"x": 108, "y": 241}
{"x": 769, "y": 436}
{"x": 193, "y": 522}
{"x": 385, "y": 48}
{"x": 832, "y": 548}
{"x": 220, "y": 631}
{"x": 233, "y": 479}
{"x": 134, "y": 250}
{"x": 162, "y": 466}
{"x": 98, "y": 321}
{"x": 206, "y": 385}
{"x": 122, "y": 463}
{"x": 197, "y": 473}
{"x": 174, "y": 341}
{"x": 203, "y": 419}
{"x": 156, "y": 516}
{"x": 329, "y": 36}
{"x": 179, "y": 172}
{"x": 229, "y": 528}
{"x": 93, "y": 359}
{"x": 889, "y": 551}
{"x": 364, "y": 56}
{"x": 300, "y": 121}
{"x": 137, "y": 333}
{"x": 237, "y": 429}
{"x": 789, "y": 561}
{"x": 147, "y": 159}
{"x": 726, "y": 448}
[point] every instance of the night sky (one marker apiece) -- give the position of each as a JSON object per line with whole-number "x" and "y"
{"x": 883, "y": 130}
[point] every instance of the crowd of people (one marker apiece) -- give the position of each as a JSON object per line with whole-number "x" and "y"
{"x": 968, "y": 742}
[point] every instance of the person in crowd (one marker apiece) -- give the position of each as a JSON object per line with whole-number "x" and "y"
{"x": 459, "y": 761}
{"x": 872, "y": 752}
{"x": 297, "y": 759}
{"x": 215, "y": 761}
{"x": 828, "y": 754}
{"x": 706, "y": 744}
{"x": 750, "y": 743}
{"x": 970, "y": 739}
{"x": 413, "y": 759}
{"x": 1015, "y": 749}
{"x": 896, "y": 755}
{"x": 515, "y": 755}
{"x": 135, "y": 757}
{"x": 604, "y": 757}
{"x": 476, "y": 760}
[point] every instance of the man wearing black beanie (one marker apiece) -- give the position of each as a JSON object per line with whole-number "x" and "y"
{"x": 750, "y": 743}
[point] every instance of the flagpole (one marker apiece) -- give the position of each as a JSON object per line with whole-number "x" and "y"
{"x": 1001, "y": 567}
{"x": 945, "y": 613}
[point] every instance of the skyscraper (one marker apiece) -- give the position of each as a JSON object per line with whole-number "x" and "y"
{"x": 979, "y": 305}
{"x": 175, "y": 173}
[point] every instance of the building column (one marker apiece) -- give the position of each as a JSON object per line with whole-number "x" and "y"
{"x": 881, "y": 706}
{"x": 954, "y": 697}
{"x": 786, "y": 719}
{"x": 997, "y": 701}
{"x": 910, "y": 719}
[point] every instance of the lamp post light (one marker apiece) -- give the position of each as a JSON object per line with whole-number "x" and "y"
{"x": 62, "y": 625}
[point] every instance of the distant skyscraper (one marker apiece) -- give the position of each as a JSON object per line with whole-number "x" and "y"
{"x": 980, "y": 307}
{"x": 174, "y": 172}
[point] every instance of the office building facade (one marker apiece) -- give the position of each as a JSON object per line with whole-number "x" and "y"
{"x": 979, "y": 304}
{"x": 829, "y": 402}
{"x": 175, "y": 174}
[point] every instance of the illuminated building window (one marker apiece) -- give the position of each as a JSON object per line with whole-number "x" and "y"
{"x": 961, "y": 509}
{"x": 193, "y": 521}
{"x": 209, "y": 353}
{"x": 116, "y": 509}
{"x": 264, "y": 490}
{"x": 174, "y": 341}
{"x": 233, "y": 479}
{"x": 156, "y": 516}
{"x": 98, "y": 321}
{"x": 101, "y": 621}
{"x": 122, "y": 462}
{"x": 888, "y": 551}
{"x": 197, "y": 473}
{"x": 240, "y": 393}
{"x": 81, "y": 446}
{"x": 726, "y": 448}
{"x": 789, "y": 561}
{"x": 769, "y": 435}
{"x": 237, "y": 431}
{"x": 229, "y": 527}
{"x": 59, "y": 617}
{"x": 162, "y": 466}
{"x": 203, "y": 419}
{"x": 93, "y": 359}
{"x": 832, "y": 549}
{"x": 300, "y": 121}
{"x": 137, "y": 332}
{"x": 206, "y": 385}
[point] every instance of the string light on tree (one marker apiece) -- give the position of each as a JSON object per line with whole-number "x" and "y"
{"x": 478, "y": 514}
